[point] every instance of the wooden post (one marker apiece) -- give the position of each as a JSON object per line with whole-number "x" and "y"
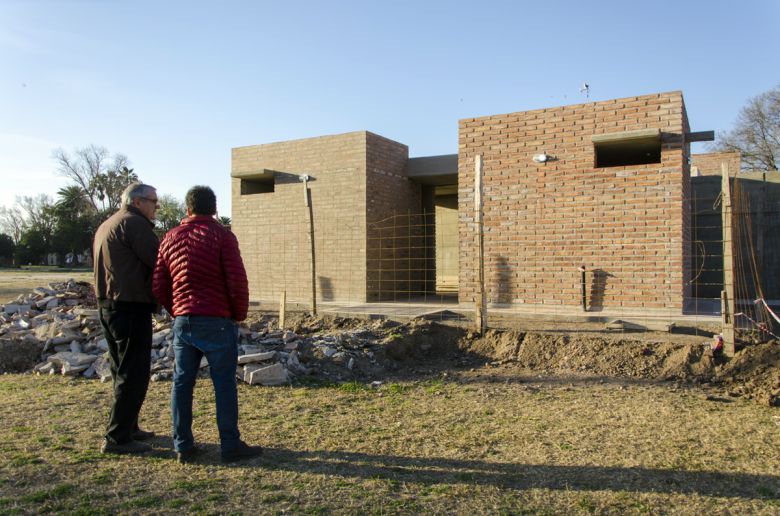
{"x": 310, "y": 216}
{"x": 727, "y": 296}
{"x": 282, "y": 309}
{"x": 481, "y": 302}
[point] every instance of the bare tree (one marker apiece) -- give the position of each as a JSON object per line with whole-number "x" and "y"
{"x": 12, "y": 222}
{"x": 100, "y": 176}
{"x": 756, "y": 133}
{"x": 37, "y": 212}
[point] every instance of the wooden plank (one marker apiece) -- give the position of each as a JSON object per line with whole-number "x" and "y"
{"x": 313, "y": 263}
{"x": 282, "y": 309}
{"x": 727, "y": 296}
{"x": 480, "y": 301}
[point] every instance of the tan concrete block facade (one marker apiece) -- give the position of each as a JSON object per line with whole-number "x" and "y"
{"x": 272, "y": 228}
{"x": 357, "y": 179}
{"x": 628, "y": 225}
{"x": 395, "y": 250}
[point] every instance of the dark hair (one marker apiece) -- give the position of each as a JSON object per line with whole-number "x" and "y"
{"x": 201, "y": 200}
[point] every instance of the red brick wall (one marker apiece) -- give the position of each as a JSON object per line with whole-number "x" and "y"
{"x": 542, "y": 221}
{"x": 708, "y": 164}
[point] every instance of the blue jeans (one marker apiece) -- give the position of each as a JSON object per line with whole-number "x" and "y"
{"x": 217, "y": 338}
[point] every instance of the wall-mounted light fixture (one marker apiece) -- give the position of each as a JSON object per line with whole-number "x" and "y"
{"x": 543, "y": 158}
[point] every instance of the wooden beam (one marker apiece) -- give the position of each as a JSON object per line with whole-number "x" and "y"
{"x": 700, "y": 136}
{"x": 282, "y": 309}
{"x": 727, "y": 295}
{"x": 480, "y": 301}
{"x": 313, "y": 263}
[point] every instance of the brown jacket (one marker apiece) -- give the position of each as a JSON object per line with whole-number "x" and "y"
{"x": 125, "y": 250}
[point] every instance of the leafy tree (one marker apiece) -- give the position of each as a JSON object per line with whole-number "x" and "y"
{"x": 170, "y": 213}
{"x": 756, "y": 133}
{"x": 7, "y": 248}
{"x": 75, "y": 221}
{"x": 32, "y": 247}
{"x": 72, "y": 201}
{"x": 225, "y": 221}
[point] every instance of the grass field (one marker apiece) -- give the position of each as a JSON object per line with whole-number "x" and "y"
{"x": 471, "y": 443}
{"x": 432, "y": 446}
{"x": 21, "y": 281}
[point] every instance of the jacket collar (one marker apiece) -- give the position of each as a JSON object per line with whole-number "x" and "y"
{"x": 198, "y": 218}
{"x": 136, "y": 211}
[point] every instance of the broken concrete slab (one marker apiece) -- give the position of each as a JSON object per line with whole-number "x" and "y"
{"x": 270, "y": 375}
{"x": 256, "y": 357}
{"x": 74, "y": 359}
{"x": 15, "y": 308}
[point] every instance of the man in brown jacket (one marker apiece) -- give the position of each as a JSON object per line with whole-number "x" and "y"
{"x": 125, "y": 250}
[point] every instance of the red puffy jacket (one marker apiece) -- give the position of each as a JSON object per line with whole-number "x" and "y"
{"x": 199, "y": 271}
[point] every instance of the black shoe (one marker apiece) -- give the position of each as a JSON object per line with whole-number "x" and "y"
{"x": 241, "y": 452}
{"x": 124, "y": 448}
{"x": 188, "y": 456}
{"x": 142, "y": 435}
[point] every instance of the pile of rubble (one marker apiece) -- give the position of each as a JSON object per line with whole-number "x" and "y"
{"x": 56, "y": 330}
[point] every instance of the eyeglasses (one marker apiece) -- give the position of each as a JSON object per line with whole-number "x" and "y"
{"x": 155, "y": 201}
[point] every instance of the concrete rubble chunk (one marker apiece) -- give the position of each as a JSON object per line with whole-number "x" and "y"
{"x": 256, "y": 357}
{"x": 102, "y": 368}
{"x": 159, "y": 337}
{"x": 16, "y": 309}
{"x": 74, "y": 359}
{"x": 271, "y": 375}
{"x": 43, "y": 303}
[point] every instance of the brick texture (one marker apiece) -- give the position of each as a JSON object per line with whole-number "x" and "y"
{"x": 709, "y": 164}
{"x": 357, "y": 184}
{"x": 628, "y": 225}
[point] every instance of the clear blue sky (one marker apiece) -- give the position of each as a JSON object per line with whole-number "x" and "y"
{"x": 175, "y": 85}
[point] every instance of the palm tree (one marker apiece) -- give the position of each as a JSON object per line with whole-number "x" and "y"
{"x": 73, "y": 201}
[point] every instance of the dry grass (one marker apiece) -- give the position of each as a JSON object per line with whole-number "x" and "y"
{"x": 432, "y": 446}
{"x": 21, "y": 281}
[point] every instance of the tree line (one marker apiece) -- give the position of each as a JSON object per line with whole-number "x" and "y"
{"x": 36, "y": 227}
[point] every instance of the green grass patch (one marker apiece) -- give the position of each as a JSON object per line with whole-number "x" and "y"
{"x": 353, "y": 387}
{"x": 60, "y": 491}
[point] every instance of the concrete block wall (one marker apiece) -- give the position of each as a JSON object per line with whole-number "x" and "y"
{"x": 272, "y": 228}
{"x": 626, "y": 224}
{"x": 395, "y": 245}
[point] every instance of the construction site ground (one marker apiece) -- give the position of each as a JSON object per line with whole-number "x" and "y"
{"x": 430, "y": 416}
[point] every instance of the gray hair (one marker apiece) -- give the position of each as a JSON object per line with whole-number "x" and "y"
{"x": 135, "y": 191}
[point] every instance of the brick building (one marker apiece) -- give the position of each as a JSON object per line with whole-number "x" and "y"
{"x": 603, "y": 184}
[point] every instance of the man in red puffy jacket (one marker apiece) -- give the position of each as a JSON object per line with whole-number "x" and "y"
{"x": 200, "y": 279}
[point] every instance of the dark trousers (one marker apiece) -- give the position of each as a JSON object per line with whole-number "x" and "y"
{"x": 129, "y": 336}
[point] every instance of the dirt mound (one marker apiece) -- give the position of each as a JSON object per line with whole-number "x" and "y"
{"x": 342, "y": 349}
{"x": 753, "y": 372}
{"x": 17, "y": 356}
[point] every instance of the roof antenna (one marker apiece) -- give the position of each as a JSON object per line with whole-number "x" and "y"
{"x": 586, "y": 88}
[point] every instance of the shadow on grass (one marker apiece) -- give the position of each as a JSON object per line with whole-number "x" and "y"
{"x": 520, "y": 476}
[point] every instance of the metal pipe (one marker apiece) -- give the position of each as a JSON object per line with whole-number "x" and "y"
{"x": 583, "y": 289}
